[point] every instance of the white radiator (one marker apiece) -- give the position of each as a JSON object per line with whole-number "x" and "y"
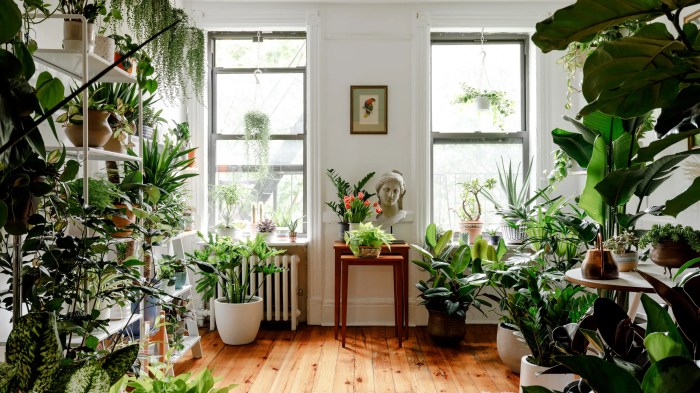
{"x": 279, "y": 291}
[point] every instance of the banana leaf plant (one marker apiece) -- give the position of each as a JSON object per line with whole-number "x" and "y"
{"x": 627, "y": 78}
{"x": 35, "y": 362}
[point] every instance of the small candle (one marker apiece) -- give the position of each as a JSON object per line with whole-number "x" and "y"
{"x": 252, "y": 209}
{"x": 260, "y": 210}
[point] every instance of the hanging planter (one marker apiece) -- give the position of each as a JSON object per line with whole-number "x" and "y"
{"x": 495, "y": 100}
{"x": 257, "y": 139}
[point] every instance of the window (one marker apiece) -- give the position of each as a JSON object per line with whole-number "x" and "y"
{"x": 255, "y": 73}
{"x": 468, "y": 140}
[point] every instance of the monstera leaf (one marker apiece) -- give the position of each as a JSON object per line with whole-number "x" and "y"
{"x": 581, "y": 21}
{"x": 33, "y": 348}
{"x": 631, "y": 76}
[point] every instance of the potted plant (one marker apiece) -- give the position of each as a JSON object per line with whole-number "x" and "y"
{"x": 98, "y": 127}
{"x": 292, "y": 224}
{"x": 358, "y": 208}
{"x": 454, "y": 284}
{"x": 496, "y": 100}
{"x": 226, "y": 263}
{"x": 343, "y": 188}
{"x": 105, "y": 46}
{"x": 257, "y": 140}
{"x": 366, "y": 241}
{"x": 123, "y": 45}
{"x": 227, "y": 197}
{"x": 172, "y": 273}
{"x": 73, "y": 29}
{"x": 265, "y": 227}
{"x": 494, "y": 238}
{"x": 471, "y": 206}
{"x": 621, "y": 246}
{"x": 518, "y": 201}
{"x": 671, "y": 245}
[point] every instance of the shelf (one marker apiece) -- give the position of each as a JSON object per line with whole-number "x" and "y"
{"x": 71, "y": 63}
{"x": 177, "y": 293}
{"x": 112, "y": 328}
{"x": 188, "y": 342}
{"x": 96, "y": 154}
{"x": 183, "y": 235}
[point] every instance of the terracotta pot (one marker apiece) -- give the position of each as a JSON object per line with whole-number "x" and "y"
{"x": 99, "y": 131}
{"x": 115, "y": 145}
{"x": 474, "y": 228}
{"x": 191, "y": 155}
{"x": 670, "y": 254}
{"x": 121, "y": 222}
{"x": 118, "y": 56}
{"x": 446, "y": 330}
{"x": 626, "y": 262}
{"x": 292, "y": 237}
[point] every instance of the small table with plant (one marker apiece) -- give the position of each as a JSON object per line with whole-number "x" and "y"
{"x": 400, "y": 249}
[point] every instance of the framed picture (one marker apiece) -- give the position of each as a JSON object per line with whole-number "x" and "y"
{"x": 693, "y": 141}
{"x": 368, "y": 110}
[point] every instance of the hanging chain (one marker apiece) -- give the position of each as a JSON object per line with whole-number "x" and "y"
{"x": 483, "y": 75}
{"x": 258, "y": 71}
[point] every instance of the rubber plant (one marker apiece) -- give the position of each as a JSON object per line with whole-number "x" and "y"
{"x": 628, "y": 77}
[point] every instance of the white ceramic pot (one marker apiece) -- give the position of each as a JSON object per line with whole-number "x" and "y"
{"x": 626, "y": 262}
{"x": 105, "y": 47}
{"x": 513, "y": 235}
{"x": 482, "y": 103}
{"x": 73, "y": 35}
{"x": 529, "y": 377}
{"x": 510, "y": 349}
{"x": 238, "y": 323}
{"x": 353, "y": 226}
{"x": 225, "y": 231}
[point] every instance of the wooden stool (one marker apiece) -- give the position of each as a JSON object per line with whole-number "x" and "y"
{"x": 397, "y": 262}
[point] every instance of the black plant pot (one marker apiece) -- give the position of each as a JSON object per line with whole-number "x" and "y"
{"x": 446, "y": 330}
{"x": 344, "y": 227}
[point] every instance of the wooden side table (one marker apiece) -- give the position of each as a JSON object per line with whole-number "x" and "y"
{"x": 401, "y": 249}
{"x": 397, "y": 263}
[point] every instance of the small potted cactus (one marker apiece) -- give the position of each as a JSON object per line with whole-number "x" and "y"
{"x": 621, "y": 247}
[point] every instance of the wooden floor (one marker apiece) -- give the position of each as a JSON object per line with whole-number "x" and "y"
{"x": 311, "y": 360}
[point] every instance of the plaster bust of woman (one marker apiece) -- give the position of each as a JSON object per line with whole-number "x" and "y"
{"x": 390, "y": 189}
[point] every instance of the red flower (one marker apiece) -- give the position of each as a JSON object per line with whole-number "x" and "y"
{"x": 352, "y": 198}
{"x": 376, "y": 204}
{"x": 347, "y": 205}
{"x": 366, "y": 203}
{"x": 361, "y": 195}
{"x": 346, "y": 198}
{"x": 379, "y": 210}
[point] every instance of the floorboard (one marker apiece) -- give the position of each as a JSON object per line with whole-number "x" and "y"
{"x": 312, "y": 360}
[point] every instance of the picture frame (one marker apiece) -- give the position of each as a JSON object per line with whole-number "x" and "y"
{"x": 368, "y": 110}
{"x": 693, "y": 141}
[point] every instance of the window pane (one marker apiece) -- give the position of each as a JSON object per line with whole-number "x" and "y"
{"x": 273, "y": 53}
{"x": 457, "y": 63}
{"x": 233, "y": 153}
{"x": 280, "y": 96}
{"x": 455, "y": 163}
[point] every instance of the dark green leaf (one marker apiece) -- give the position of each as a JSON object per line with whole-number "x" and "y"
{"x": 70, "y": 170}
{"x": 89, "y": 379}
{"x": 648, "y": 153}
{"x": 33, "y": 347}
{"x": 3, "y": 213}
{"x": 679, "y": 115}
{"x": 574, "y": 145}
{"x": 120, "y": 361}
{"x": 618, "y": 186}
{"x": 609, "y": 127}
{"x": 601, "y": 375}
{"x": 683, "y": 200}
{"x": 674, "y": 374}
{"x": 23, "y": 55}
{"x": 659, "y": 171}
{"x": 591, "y": 201}
{"x": 49, "y": 90}
{"x": 661, "y": 346}
{"x": 10, "y": 20}
{"x": 431, "y": 235}
{"x": 7, "y": 373}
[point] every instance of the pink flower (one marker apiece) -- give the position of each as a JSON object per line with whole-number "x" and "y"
{"x": 346, "y": 198}
{"x": 347, "y": 205}
{"x": 366, "y": 203}
{"x": 376, "y": 204}
{"x": 379, "y": 210}
{"x": 352, "y": 198}
{"x": 361, "y": 195}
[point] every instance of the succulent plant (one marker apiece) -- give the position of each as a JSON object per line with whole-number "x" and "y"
{"x": 266, "y": 225}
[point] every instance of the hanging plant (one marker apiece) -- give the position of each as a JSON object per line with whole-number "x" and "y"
{"x": 257, "y": 138}
{"x": 177, "y": 55}
{"x": 501, "y": 106}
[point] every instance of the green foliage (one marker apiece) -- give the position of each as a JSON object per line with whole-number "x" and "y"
{"x": 518, "y": 200}
{"x": 501, "y": 104}
{"x": 622, "y": 243}
{"x": 343, "y": 189}
{"x": 89, "y": 379}
{"x": 102, "y": 193}
{"x": 285, "y": 219}
{"x": 257, "y": 140}
{"x": 225, "y": 262}
{"x": 156, "y": 381}
{"x": 455, "y": 277}
{"x": 227, "y": 196}
{"x": 367, "y": 235}
{"x": 33, "y": 349}
{"x": 471, "y": 206}
{"x": 676, "y": 233}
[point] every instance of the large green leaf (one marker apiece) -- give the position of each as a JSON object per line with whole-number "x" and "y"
{"x": 588, "y": 134}
{"x": 431, "y": 235}
{"x": 583, "y": 20}
{"x": 591, "y": 201}
{"x": 33, "y": 347}
{"x": 659, "y": 171}
{"x": 89, "y": 379}
{"x": 679, "y": 114}
{"x": 648, "y": 153}
{"x": 10, "y": 20}
{"x": 674, "y": 374}
{"x": 631, "y": 76}
{"x": 574, "y": 145}
{"x": 601, "y": 375}
{"x": 618, "y": 186}
{"x": 683, "y": 200}
{"x": 49, "y": 90}
{"x": 609, "y": 127}
{"x": 661, "y": 346}
{"x": 120, "y": 361}
{"x": 7, "y": 373}
{"x": 622, "y": 157}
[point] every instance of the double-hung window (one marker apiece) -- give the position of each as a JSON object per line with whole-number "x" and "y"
{"x": 470, "y": 137}
{"x": 259, "y": 79}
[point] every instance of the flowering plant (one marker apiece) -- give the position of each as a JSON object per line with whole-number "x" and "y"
{"x": 357, "y": 208}
{"x": 367, "y": 235}
{"x": 344, "y": 188}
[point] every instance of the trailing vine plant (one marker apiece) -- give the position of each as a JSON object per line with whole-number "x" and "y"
{"x": 501, "y": 106}
{"x": 257, "y": 140}
{"x": 178, "y": 55}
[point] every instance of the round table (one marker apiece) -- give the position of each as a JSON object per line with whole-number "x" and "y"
{"x": 627, "y": 281}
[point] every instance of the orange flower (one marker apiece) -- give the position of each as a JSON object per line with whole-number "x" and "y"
{"x": 376, "y": 204}
{"x": 379, "y": 210}
{"x": 366, "y": 203}
{"x": 346, "y": 199}
{"x": 352, "y": 198}
{"x": 361, "y": 195}
{"x": 347, "y": 205}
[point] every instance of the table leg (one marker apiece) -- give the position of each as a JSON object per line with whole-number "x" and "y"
{"x": 398, "y": 301}
{"x": 404, "y": 296}
{"x": 345, "y": 299}
{"x": 336, "y": 304}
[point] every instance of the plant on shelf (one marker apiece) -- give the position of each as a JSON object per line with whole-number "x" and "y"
{"x": 344, "y": 189}
{"x": 171, "y": 270}
{"x": 470, "y": 214}
{"x": 455, "y": 282}
{"x": 89, "y": 9}
{"x": 227, "y": 264}
{"x": 227, "y": 197}
{"x": 622, "y": 243}
{"x": 99, "y": 131}
{"x": 367, "y": 240}
{"x": 497, "y": 100}
{"x": 266, "y": 226}
{"x": 182, "y": 134}
{"x": 671, "y": 245}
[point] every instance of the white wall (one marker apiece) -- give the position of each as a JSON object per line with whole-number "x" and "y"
{"x": 382, "y": 44}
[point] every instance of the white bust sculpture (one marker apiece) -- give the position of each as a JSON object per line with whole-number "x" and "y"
{"x": 390, "y": 189}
